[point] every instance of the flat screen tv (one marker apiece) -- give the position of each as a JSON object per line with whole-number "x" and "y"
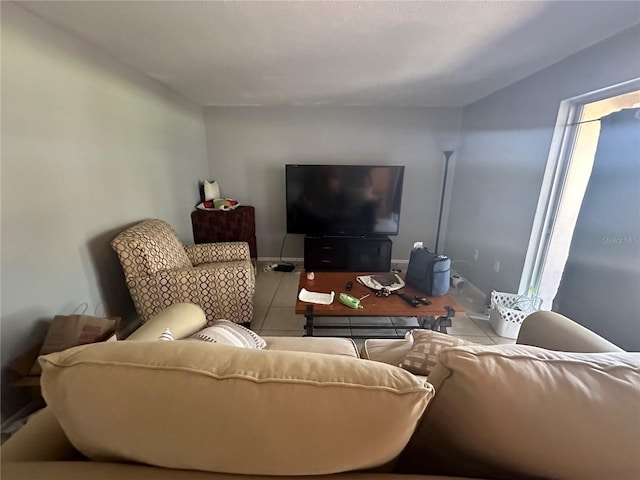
{"x": 344, "y": 200}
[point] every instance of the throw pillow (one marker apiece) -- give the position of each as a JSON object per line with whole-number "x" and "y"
{"x": 229, "y": 333}
{"x": 209, "y": 190}
{"x": 426, "y": 347}
{"x": 166, "y": 336}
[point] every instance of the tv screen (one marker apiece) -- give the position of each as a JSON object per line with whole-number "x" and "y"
{"x": 349, "y": 200}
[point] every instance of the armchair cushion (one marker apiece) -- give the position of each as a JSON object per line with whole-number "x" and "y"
{"x": 514, "y": 411}
{"x": 232, "y": 410}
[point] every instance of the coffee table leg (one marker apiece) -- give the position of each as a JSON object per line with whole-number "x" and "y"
{"x": 426, "y": 323}
{"x": 442, "y": 323}
{"x": 308, "y": 314}
{"x": 437, "y": 324}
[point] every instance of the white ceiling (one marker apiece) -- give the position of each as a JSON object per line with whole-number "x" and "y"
{"x": 435, "y": 53}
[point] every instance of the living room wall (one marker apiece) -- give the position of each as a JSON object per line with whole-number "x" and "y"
{"x": 505, "y": 143}
{"x": 89, "y": 146}
{"x": 249, "y": 146}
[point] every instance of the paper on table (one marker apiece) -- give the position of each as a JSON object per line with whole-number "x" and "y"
{"x": 392, "y": 283}
{"x": 315, "y": 297}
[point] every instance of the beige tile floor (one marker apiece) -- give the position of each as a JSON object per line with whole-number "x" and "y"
{"x": 274, "y": 315}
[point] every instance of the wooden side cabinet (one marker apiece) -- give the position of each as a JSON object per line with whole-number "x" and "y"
{"x": 237, "y": 225}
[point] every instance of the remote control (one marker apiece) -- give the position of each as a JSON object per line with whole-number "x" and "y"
{"x": 423, "y": 300}
{"x": 411, "y": 301}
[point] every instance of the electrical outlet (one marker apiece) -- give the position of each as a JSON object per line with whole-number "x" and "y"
{"x": 475, "y": 254}
{"x": 496, "y": 266}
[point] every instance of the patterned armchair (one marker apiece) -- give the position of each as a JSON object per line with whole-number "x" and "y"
{"x": 160, "y": 271}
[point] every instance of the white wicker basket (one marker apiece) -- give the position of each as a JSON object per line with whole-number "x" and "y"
{"x": 508, "y": 311}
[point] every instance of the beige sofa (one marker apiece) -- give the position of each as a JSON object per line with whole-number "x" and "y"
{"x": 532, "y": 410}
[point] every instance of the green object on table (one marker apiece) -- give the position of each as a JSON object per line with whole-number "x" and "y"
{"x": 349, "y": 301}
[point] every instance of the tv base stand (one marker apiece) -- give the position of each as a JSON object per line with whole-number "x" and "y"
{"x": 351, "y": 254}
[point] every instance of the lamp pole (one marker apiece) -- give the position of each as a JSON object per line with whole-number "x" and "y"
{"x": 447, "y": 156}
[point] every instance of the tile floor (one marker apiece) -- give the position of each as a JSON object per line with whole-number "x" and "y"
{"x": 274, "y": 315}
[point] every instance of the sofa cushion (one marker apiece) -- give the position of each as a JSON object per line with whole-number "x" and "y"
{"x": 513, "y": 411}
{"x": 181, "y": 318}
{"x": 333, "y": 346}
{"x": 386, "y": 350}
{"x": 199, "y": 406}
{"x": 118, "y": 471}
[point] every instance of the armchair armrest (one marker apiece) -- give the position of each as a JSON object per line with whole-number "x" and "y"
{"x": 182, "y": 319}
{"x": 553, "y": 331}
{"x": 217, "y": 252}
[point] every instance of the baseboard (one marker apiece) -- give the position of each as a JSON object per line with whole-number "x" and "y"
{"x": 395, "y": 264}
{"x": 283, "y": 259}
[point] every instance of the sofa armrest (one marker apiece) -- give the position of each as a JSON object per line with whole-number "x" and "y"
{"x": 40, "y": 440}
{"x": 217, "y": 252}
{"x": 553, "y": 331}
{"x": 182, "y": 319}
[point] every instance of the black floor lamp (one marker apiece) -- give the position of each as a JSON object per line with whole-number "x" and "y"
{"x": 447, "y": 156}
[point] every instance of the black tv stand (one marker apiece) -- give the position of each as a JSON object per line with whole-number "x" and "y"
{"x": 352, "y": 254}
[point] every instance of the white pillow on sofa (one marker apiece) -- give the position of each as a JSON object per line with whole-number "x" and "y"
{"x": 166, "y": 336}
{"x": 228, "y": 333}
{"x": 515, "y": 411}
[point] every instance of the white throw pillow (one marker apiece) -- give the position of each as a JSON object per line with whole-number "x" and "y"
{"x": 229, "y": 333}
{"x": 166, "y": 336}
{"x": 211, "y": 190}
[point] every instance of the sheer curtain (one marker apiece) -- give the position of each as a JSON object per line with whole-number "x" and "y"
{"x": 600, "y": 285}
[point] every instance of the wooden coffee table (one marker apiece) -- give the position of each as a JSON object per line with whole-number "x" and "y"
{"x": 436, "y": 316}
